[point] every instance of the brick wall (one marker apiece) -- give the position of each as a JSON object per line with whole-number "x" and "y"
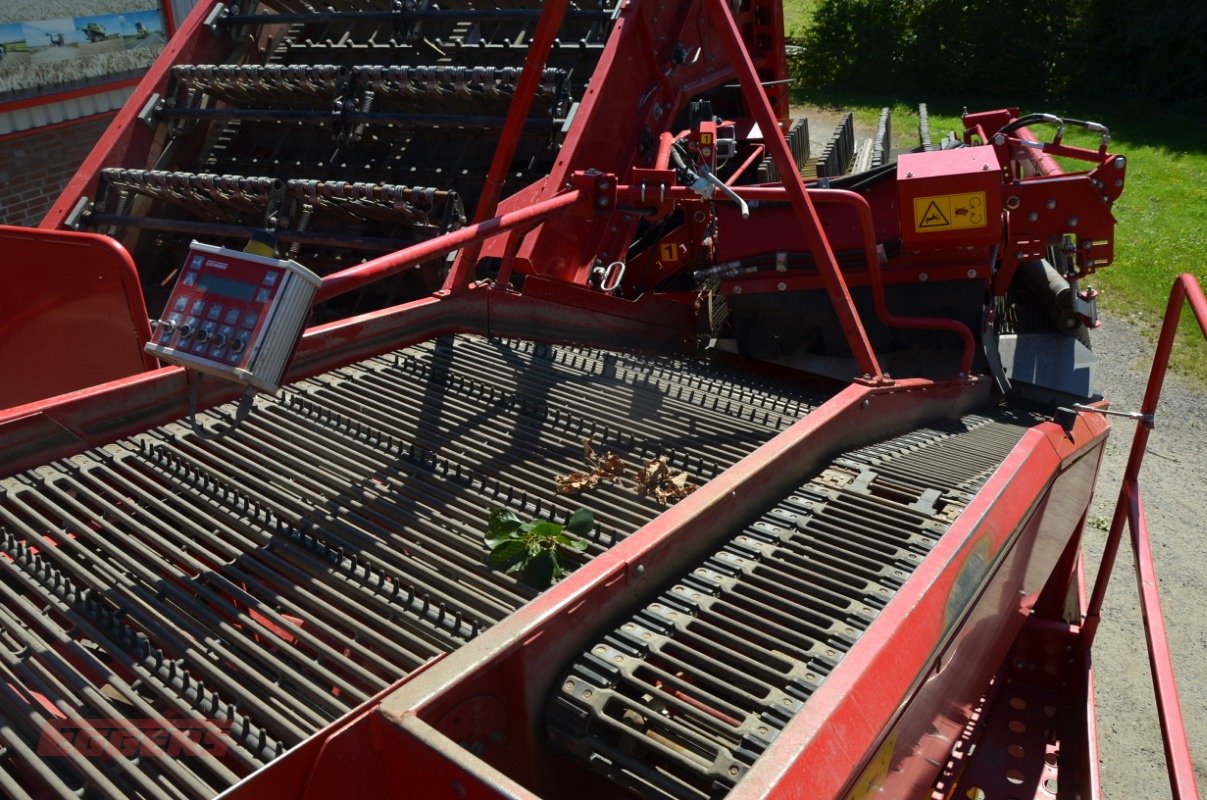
{"x": 36, "y": 166}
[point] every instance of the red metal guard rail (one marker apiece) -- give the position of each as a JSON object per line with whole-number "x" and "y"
{"x": 861, "y": 207}
{"x": 1130, "y": 507}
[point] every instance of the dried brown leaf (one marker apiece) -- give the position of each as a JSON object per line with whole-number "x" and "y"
{"x": 611, "y": 466}
{"x": 608, "y": 467}
{"x": 575, "y": 482}
{"x": 666, "y": 485}
{"x": 655, "y": 478}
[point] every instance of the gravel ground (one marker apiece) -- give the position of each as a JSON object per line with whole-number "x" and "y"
{"x": 1174, "y": 489}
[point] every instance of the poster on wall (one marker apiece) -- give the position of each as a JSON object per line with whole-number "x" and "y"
{"x": 48, "y": 46}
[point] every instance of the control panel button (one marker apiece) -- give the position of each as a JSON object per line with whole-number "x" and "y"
{"x": 239, "y": 343}
{"x": 270, "y": 278}
{"x": 180, "y": 303}
{"x": 250, "y": 319}
{"x": 232, "y": 316}
{"x": 188, "y": 328}
{"x": 190, "y": 278}
{"x": 214, "y": 312}
{"x": 204, "y": 334}
{"x": 198, "y": 307}
{"x": 263, "y": 295}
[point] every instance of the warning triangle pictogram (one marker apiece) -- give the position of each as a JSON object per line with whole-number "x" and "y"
{"x": 934, "y": 218}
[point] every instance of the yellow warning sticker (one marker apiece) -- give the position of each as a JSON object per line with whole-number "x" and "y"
{"x": 946, "y": 212}
{"x": 705, "y": 138}
{"x": 670, "y": 252}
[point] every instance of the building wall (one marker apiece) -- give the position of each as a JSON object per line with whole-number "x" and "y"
{"x": 34, "y": 167}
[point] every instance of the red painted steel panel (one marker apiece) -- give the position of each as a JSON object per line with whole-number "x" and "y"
{"x": 950, "y": 198}
{"x": 71, "y": 314}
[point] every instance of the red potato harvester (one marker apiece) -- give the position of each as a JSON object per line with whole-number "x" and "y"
{"x": 415, "y": 270}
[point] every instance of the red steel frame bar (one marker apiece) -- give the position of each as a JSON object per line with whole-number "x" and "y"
{"x": 346, "y": 280}
{"x": 1130, "y": 506}
{"x": 777, "y": 146}
{"x": 663, "y": 158}
{"x": 517, "y": 115}
{"x": 755, "y": 155}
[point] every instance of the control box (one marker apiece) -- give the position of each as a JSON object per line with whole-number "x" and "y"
{"x": 235, "y": 315}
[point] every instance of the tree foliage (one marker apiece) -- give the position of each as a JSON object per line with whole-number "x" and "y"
{"x": 1009, "y": 48}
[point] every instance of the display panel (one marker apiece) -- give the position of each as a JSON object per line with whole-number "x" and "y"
{"x": 216, "y": 284}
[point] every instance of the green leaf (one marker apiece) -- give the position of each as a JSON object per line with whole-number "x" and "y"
{"x": 581, "y": 522}
{"x": 531, "y": 548}
{"x": 541, "y": 570}
{"x": 508, "y": 554}
{"x": 494, "y": 541}
{"x": 502, "y": 523}
{"x": 544, "y": 529}
{"x": 577, "y": 545}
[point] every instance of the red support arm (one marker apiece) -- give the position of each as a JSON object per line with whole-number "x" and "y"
{"x": 346, "y": 280}
{"x": 509, "y": 139}
{"x": 777, "y": 146}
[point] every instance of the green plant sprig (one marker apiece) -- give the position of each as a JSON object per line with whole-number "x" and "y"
{"x": 531, "y": 549}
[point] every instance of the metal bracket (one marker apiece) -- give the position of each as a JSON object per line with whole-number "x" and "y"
{"x": 147, "y": 114}
{"x": 599, "y": 187}
{"x": 75, "y": 218}
{"x": 214, "y": 19}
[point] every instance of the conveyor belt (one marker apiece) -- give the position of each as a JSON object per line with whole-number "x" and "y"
{"x": 679, "y": 700}
{"x": 344, "y": 97}
{"x": 249, "y": 589}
